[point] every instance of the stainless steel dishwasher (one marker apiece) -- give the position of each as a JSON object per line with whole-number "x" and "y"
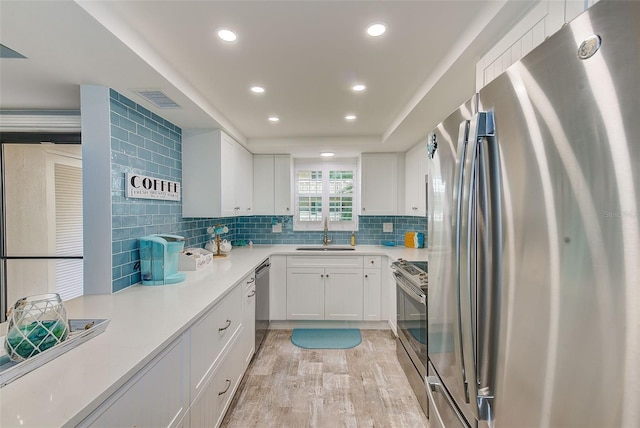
{"x": 262, "y": 302}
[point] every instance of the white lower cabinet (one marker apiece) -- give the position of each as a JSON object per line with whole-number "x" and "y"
{"x": 305, "y": 293}
{"x": 278, "y": 288}
{"x": 389, "y": 295}
{"x": 157, "y": 396}
{"x": 248, "y": 337}
{"x": 343, "y": 294}
{"x": 327, "y": 288}
{"x": 371, "y": 295}
{"x": 211, "y": 334}
{"x": 210, "y": 405}
{"x": 192, "y": 381}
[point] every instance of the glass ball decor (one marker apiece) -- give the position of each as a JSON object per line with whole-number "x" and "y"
{"x": 36, "y": 323}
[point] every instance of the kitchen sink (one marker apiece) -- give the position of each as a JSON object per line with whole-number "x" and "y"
{"x": 329, "y": 248}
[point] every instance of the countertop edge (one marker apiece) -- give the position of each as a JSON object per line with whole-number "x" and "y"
{"x": 196, "y": 289}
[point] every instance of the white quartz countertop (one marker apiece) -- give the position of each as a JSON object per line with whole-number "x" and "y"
{"x": 144, "y": 320}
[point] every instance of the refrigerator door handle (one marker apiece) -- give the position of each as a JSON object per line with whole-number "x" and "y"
{"x": 483, "y": 242}
{"x": 466, "y": 274}
{"x": 489, "y": 279}
{"x": 463, "y": 139}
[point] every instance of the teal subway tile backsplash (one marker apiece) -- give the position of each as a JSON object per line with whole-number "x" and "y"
{"x": 258, "y": 230}
{"x": 144, "y": 143}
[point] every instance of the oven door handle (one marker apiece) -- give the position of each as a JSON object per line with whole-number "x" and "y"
{"x": 400, "y": 281}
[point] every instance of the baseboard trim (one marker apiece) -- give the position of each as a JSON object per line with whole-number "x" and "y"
{"x": 363, "y": 325}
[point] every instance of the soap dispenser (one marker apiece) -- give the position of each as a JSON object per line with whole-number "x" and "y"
{"x": 353, "y": 239}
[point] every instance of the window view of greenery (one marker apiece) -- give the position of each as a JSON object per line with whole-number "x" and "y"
{"x": 309, "y": 195}
{"x": 340, "y": 195}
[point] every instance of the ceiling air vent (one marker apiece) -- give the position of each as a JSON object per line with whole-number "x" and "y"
{"x": 157, "y": 98}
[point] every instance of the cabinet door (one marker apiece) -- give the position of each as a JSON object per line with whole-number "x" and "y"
{"x": 201, "y": 173}
{"x": 211, "y": 334}
{"x": 278, "y": 288}
{"x": 305, "y": 294}
{"x": 229, "y": 162}
{"x": 244, "y": 181}
{"x": 343, "y": 294}
{"x": 380, "y": 184}
{"x": 156, "y": 396}
{"x": 283, "y": 199}
{"x": 371, "y": 300}
{"x": 263, "y": 185}
{"x": 389, "y": 299}
{"x": 415, "y": 181}
{"x": 208, "y": 408}
{"x": 248, "y": 337}
{"x": 410, "y": 183}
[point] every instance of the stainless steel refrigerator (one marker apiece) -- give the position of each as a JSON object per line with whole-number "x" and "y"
{"x": 534, "y": 237}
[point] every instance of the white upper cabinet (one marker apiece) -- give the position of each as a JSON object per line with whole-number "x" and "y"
{"x": 382, "y": 189}
{"x": 217, "y": 175}
{"x": 244, "y": 182}
{"x": 272, "y": 185}
{"x": 415, "y": 181}
{"x": 263, "y": 185}
{"x": 283, "y": 194}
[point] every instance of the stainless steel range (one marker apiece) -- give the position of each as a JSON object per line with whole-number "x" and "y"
{"x": 411, "y": 347}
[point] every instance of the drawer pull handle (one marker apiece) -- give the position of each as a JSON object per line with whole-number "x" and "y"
{"x": 225, "y": 327}
{"x": 227, "y": 388}
{"x": 253, "y": 293}
{"x": 372, "y": 261}
{"x": 251, "y": 281}
{"x": 366, "y": 276}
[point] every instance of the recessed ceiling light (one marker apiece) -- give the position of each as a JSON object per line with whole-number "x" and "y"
{"x": 274, "y": 119}
{"x": 358, "y": 88}
{"x": 227, "y": 35}
{"x": 257, "y": 89}
{"x": 350, "y": 117}
{"x": 376, "y": 29}
{"x": 327, "y": 154}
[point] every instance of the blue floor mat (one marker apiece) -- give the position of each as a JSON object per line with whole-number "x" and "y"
{"x": 326, "y": 338}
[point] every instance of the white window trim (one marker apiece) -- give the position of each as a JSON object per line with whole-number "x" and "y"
{"x": 305, "y": 164}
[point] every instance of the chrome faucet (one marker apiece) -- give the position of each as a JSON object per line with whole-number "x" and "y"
{"x": 325, "y": 239}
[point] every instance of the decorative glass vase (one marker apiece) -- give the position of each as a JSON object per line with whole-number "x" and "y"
{"x": 36, "y": 323}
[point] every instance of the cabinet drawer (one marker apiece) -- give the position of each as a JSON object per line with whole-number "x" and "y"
{"x": 211, "y": 334}
{"x": 373, "y": 262}
{"x": 209, "y": 407}
{"x": 139, "y": 402}
{"x": 324, "y": 261}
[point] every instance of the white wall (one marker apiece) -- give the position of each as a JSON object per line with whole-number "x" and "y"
{"x": 96, "y": 188}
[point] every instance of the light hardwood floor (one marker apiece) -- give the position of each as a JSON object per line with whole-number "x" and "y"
{"x": 286, "y": 386}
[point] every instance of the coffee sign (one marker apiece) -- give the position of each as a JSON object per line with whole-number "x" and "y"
{"x": 143, "y": 187}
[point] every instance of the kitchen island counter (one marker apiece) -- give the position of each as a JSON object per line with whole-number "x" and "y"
{"x": 144, "y": 320}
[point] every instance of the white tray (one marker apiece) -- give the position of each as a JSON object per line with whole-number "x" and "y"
{"x": 81, "y": 330}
